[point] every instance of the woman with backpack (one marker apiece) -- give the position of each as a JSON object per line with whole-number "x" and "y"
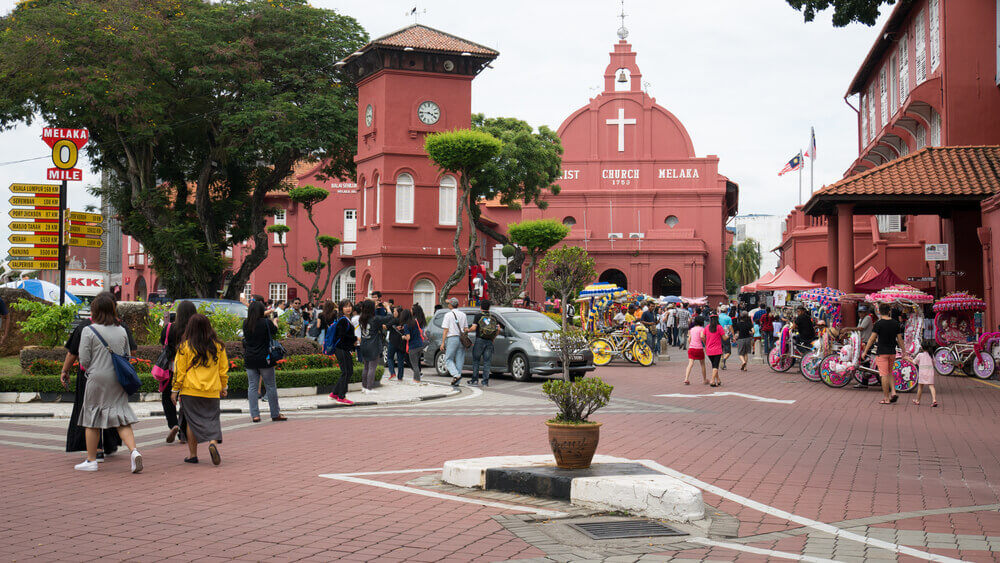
{"x": 201, "y": 379}
{"x": 370, "y": 345}
{"x": 339, "y": 342}
{"x": 257, "y": 334}
{"x": 105, "y": 403}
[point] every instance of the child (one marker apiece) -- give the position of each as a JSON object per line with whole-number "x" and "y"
{"x": 925, "y": 374}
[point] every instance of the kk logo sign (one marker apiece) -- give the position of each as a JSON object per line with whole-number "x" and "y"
{"x": 65, "y": 145}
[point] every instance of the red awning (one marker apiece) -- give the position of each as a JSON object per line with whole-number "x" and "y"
{"x": 884, "y": 279}
{"x": 787, "y": 279}
{"x": 752, "y": 286}
{"x": 867, "y": 275}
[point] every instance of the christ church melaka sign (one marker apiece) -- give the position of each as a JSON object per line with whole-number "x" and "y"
{"x": 65, "y": 145}
{"x": 628, "y": 176}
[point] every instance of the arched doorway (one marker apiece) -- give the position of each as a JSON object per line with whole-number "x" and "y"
{"x": 667, "y": 282}
{"x": 819, "y": 276}
{"x": 140, "y": 289}
{"x": 614, "y": 276}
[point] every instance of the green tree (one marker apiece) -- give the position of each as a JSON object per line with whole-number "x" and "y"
{"x": 308, "y": 197}
{"x": 565, "y": 272}
{"x": 525, "y": 171}
{"x": 49, "y": 321}
{"x": 537, "y": 237}
{"x": 461, "y": 152}
{"x": 844, "y": 11}
{"x": 742, "y": 264}
{"x": 198, "y": 109}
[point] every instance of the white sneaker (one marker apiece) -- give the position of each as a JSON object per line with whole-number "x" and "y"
{"x": 86, "y": 466}
{"x": 136, "y": 461}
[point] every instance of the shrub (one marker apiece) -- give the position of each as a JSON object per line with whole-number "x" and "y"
{"x": 153, "y": 323}
{"x": 28, "y": 356}
{"x": 300, "y": 347}
{"x": 49, "y": 321}
{"x": 309, "y": 361}
{"x": 577, "y": 400}
{"x": 45, "y": 367}
{"x": 228, "y": 326}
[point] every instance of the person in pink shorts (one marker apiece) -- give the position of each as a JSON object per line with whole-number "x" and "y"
{"x": 696, "y": 350}
{"x": 925, "y": 374}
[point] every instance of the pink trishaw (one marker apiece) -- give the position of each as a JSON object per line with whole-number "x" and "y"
{"x": 961, "y": 344}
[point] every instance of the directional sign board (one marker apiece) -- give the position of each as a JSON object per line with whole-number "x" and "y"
{"x": 85, "y": 242}
{"x": 34, "y": 188}
{"x": 920, "y": 278}
{"x": 33, "y": 213}
{"x": 31, "y": 251}
{"x": 33, "y": 239}
{"x": 33, "y": 201}
{"x": 85, "y": 217}
{"x": 34, "y": 264}
{"x": 953, "y": 273}
{"x": 85, "y": 230}
{"x": 34, "y": 227}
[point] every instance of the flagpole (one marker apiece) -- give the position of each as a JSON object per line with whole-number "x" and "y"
{"x": 801, "y": 166}
{"x": 812, "y": 158}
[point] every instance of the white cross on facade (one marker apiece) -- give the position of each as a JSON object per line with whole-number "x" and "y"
{"x": 621, "y": 122}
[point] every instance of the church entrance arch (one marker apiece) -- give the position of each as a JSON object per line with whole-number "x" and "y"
{"x": 614, "y": 276}
{"x": 140, "y": 289}
{"x": 667, "y": 282}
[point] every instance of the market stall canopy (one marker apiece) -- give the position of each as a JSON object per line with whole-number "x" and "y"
{"x": 752, "y": 286}
{"x": 884, "y": 279}
{"x": 900, "y": 292}
{"x": 960, "y": 301}
{"x": 596, "y": 289}
{"x": 787, "y": 279}
{"x": 866, "y": 276}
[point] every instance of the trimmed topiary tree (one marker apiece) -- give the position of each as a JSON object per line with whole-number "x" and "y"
{"x": 308, "y": 197}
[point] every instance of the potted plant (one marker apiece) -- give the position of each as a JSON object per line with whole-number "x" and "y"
{"x": 572, "y": 437}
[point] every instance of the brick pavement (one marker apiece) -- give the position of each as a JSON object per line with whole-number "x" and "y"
{"x": 923, "y": 476}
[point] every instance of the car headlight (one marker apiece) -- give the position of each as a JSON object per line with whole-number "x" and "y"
{"x": 539, "y": 345}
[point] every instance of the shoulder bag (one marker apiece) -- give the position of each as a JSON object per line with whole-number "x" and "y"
{"x": 462, "y": 336}
{"x": 164, "y": 363}
{"x": 127, "y": 377}
{"x": 275, "y": 351}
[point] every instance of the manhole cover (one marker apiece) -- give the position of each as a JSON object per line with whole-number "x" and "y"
{"x": 626, "y": 529}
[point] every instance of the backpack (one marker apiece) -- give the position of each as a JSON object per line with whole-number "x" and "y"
{"x": 488, "y": 327}
{"x": 331, "y": 340}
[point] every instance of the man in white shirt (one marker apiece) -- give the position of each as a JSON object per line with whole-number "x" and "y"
{"x": 619, "y": 318}
{"x": 455, "y": 323}
{"x": 670, "y": 324}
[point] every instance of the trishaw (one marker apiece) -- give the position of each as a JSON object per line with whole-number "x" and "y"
{"x": 824, "y": 304}
{"x": 598, "y": 303}
{"x": 961, "y": 345}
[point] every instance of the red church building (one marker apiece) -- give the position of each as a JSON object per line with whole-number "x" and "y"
{"x": 634, "y": 193}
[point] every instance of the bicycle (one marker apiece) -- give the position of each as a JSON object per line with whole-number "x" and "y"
{"x": 618, "y": 343}
{"x": 839, "y": 368}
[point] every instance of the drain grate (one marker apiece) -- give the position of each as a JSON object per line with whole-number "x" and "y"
{"x": 626, "y": 529}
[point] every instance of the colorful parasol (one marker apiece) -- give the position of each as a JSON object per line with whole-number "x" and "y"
{"x": 824, "y": 303}
{"x": 596, "y": 289}
{"x": 899, "y": 292}
{"x": 959, "y": 301}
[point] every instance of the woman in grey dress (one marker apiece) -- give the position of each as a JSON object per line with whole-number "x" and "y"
{"x": 105, "y": 404}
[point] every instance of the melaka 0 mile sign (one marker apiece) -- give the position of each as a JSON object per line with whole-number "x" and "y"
{"x": 65, "y": 145}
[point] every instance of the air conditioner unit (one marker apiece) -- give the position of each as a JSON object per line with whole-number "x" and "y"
{"x": 636, "y": 235}
{"x": 614, "y": 235}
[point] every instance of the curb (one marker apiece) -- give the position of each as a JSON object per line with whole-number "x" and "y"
{"x": 27, "y": 415}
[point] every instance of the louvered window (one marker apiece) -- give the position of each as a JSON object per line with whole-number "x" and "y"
{"x": 920, "y": 47}
{"x": 448, "y": 201}
{"x": 883, "y": 96}
{"x": 921, "y": 137}
{"x": 893, "y": 85}
{"x": 935, "y": 129}
{"x": 279, "y": 219}
{"x": 874, "y": 126}
{"x": 864, "y": 120}
{"x": 890, "y": 223}
{"x": 935, "y": 34}
{"x": 904, "y": 70}
{"x": 404, "y": 198}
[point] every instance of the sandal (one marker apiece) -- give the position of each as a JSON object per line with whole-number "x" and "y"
{"x": 884, "y": 402}
{"x": 191, "y": 459}
{"x": 687, "y": 383}
{"x": 916, "y": 402}
{"x": 934, "y": 404}
{"x": 255, "y": 419}
{"x": 894, "y": 398}
{"x": 278, "y": 418}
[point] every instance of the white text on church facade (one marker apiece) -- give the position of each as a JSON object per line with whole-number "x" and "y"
{"x": 679, "y": 173}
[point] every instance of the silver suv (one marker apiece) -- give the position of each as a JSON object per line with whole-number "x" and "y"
{"x": 518, "y": 349}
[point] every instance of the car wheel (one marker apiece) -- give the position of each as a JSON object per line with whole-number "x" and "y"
{"x": 519, "y": 368}
{"x": 439, "y": 364}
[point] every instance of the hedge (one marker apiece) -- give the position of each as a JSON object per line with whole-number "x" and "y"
{"x": 237, "y": 381}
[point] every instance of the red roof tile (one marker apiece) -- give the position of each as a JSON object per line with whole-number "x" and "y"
{"x": 422, "y": 37}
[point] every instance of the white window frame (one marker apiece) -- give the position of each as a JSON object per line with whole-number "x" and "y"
{"x": 921, "y": 135}
{"x": 872, "y": 116}
{"x": 404, "y": 198}
{"x": 890, "y": 223}
{"x": 277, "y": 292}
{"x": 883, "y": 96}
{"x": 904, "y": 70}
{"x": 378, "y": 200}
{"x": 364, "y": 207}
{"x": 935, "y": 140}
{"x": 248, "y": 290}
{"x": 422, "y": 295}
{"x": 349, "y": 244}
{"x": 920, "y": 47}
{"x": 344, "y": 285}
{"x": 280, "y": 218}
{"x": 934, "y": 32}
{"x": 864, "y": 119}
{"x": 498, "y": 258}
{"x": 893, "y": 85}
{"x": 448, "y": 201}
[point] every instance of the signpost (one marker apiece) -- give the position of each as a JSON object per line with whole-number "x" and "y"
{"x": 953, "y": 273}
{"x": 33, "y": 239}
{"x": 34, "y": 227}
{"x": 50, "y": 202}
{"x": 920, "y": 278}
{"x": 35, "y": 265}
{"x": 34, "y": 189}
{"x": 34, "y": 214}
{"x": 77, "y": 240}
{"x": 936, "y": 252}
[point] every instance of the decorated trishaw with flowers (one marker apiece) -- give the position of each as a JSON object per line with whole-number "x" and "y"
{"x": 961, "y": 343}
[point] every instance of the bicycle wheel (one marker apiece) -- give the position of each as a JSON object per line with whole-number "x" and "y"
{"x": 983, "y": 365}
{"x": 777, "y": 362}
{"x": 603, "y": 351}
{"x": 833, "y": 374}
{"x": 627, "y": 351}
{"x": 809, "y": 367}
{"x": 642, "y": 354}
{"x": 904, "y": 375}
{"x": 942, "y": 361}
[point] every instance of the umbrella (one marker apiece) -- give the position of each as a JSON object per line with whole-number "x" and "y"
{"x": 960, "y": 301}
{"x": 823, "y": 302}
{"x": 42, "y": 290}
{"x": 822, "y": 295}
{"x": 595, "y": 289}
{"x": 899, "y": 292}
{"x": 671, "y": 299}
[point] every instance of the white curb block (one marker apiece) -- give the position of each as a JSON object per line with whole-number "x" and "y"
{"x": 472, "y": 472}
{"x": 653, "y": 496}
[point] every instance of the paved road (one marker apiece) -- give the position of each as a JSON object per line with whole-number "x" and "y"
{"x": 780, "y": 459}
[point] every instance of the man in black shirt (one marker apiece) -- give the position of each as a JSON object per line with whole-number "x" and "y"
{"x": 888, "y": 334}
{"x": 804, "y": 328}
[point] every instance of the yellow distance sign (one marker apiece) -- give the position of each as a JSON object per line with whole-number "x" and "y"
{"x": 86, "y": 242}
{"x": 31, "y": 251}
{"x": 33, "y": 214}
{"x": 85, "y": 217}
{"x": 33, "y": 239}
{"x": 85, "y": 230}
{"x": 33, "y": 264}
{"x": 33, "y": 201}
{"x": 34, "y": 227}
{"x": 35, "y": 188}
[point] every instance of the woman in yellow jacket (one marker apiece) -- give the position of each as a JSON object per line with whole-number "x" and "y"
{"x": 201, "y": 373}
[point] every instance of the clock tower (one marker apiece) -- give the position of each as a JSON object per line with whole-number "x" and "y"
{"x": 411, "y": 82}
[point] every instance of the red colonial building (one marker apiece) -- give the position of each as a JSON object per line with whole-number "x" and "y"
{"x": 635, "y": 194}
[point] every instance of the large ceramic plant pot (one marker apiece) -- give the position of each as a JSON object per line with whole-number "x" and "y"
{"x": 573, "y": 445}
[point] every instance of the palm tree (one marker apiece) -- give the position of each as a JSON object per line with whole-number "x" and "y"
{"x": 742, "y": 264}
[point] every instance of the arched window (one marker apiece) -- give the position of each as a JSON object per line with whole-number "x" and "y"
{"x": 448, "y": 201}
{"x": 671, "y": 221}
{"x": 569, "y": 221}
{"x": 378, "y": 200}
{"x": 404, "y": 198}
{"x": 344, "y": 285}
{"x": 423, "y": 293}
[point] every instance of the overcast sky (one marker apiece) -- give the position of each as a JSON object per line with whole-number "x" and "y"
{"x": 747, "y": 79}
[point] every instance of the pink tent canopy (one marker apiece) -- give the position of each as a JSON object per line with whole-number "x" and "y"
{"x": 884, "y": 279}
{"x": 787, "y": 279}
{"x": 752, "y": 286}
{"x": 867, "y": 275}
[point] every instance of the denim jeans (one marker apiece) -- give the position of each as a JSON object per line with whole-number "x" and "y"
{"x": 396, "y": 361}
{"x": 368, "y": 373}
{"x": 768, "y": 341}
{"x": 454, "y": 354}
{"x": 482, "y": 354}
{"x": 415, "y": 354}
{"x": 651, "y": 341}
{"x": 254, "y": 375}
{"x": 675, "y": 335}
{"x": 682, "y": 338}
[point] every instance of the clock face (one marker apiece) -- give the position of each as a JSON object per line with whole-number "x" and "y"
{"x": 369, "y": 115}
{"x": 429, "y": 113}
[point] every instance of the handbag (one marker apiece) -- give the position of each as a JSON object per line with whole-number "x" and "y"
{"x": 127, "y": 378}
{"x": 462, "y": 336}
{"x": 164, "y": 363}
{"x": 275, "y": 351}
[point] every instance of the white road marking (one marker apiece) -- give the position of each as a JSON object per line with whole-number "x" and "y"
{"x": 36, "y": 446}
{"x": 731, "y": 394}
{"x": 801, "y": 520}
{"x": 442, "y": 496}
{"x": 761, "y": 551}
{"x": 396, "y": 472}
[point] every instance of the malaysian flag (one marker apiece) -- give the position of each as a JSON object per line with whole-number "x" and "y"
{"x": 811, "y": 151}
{"x": 794, "y": 164}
